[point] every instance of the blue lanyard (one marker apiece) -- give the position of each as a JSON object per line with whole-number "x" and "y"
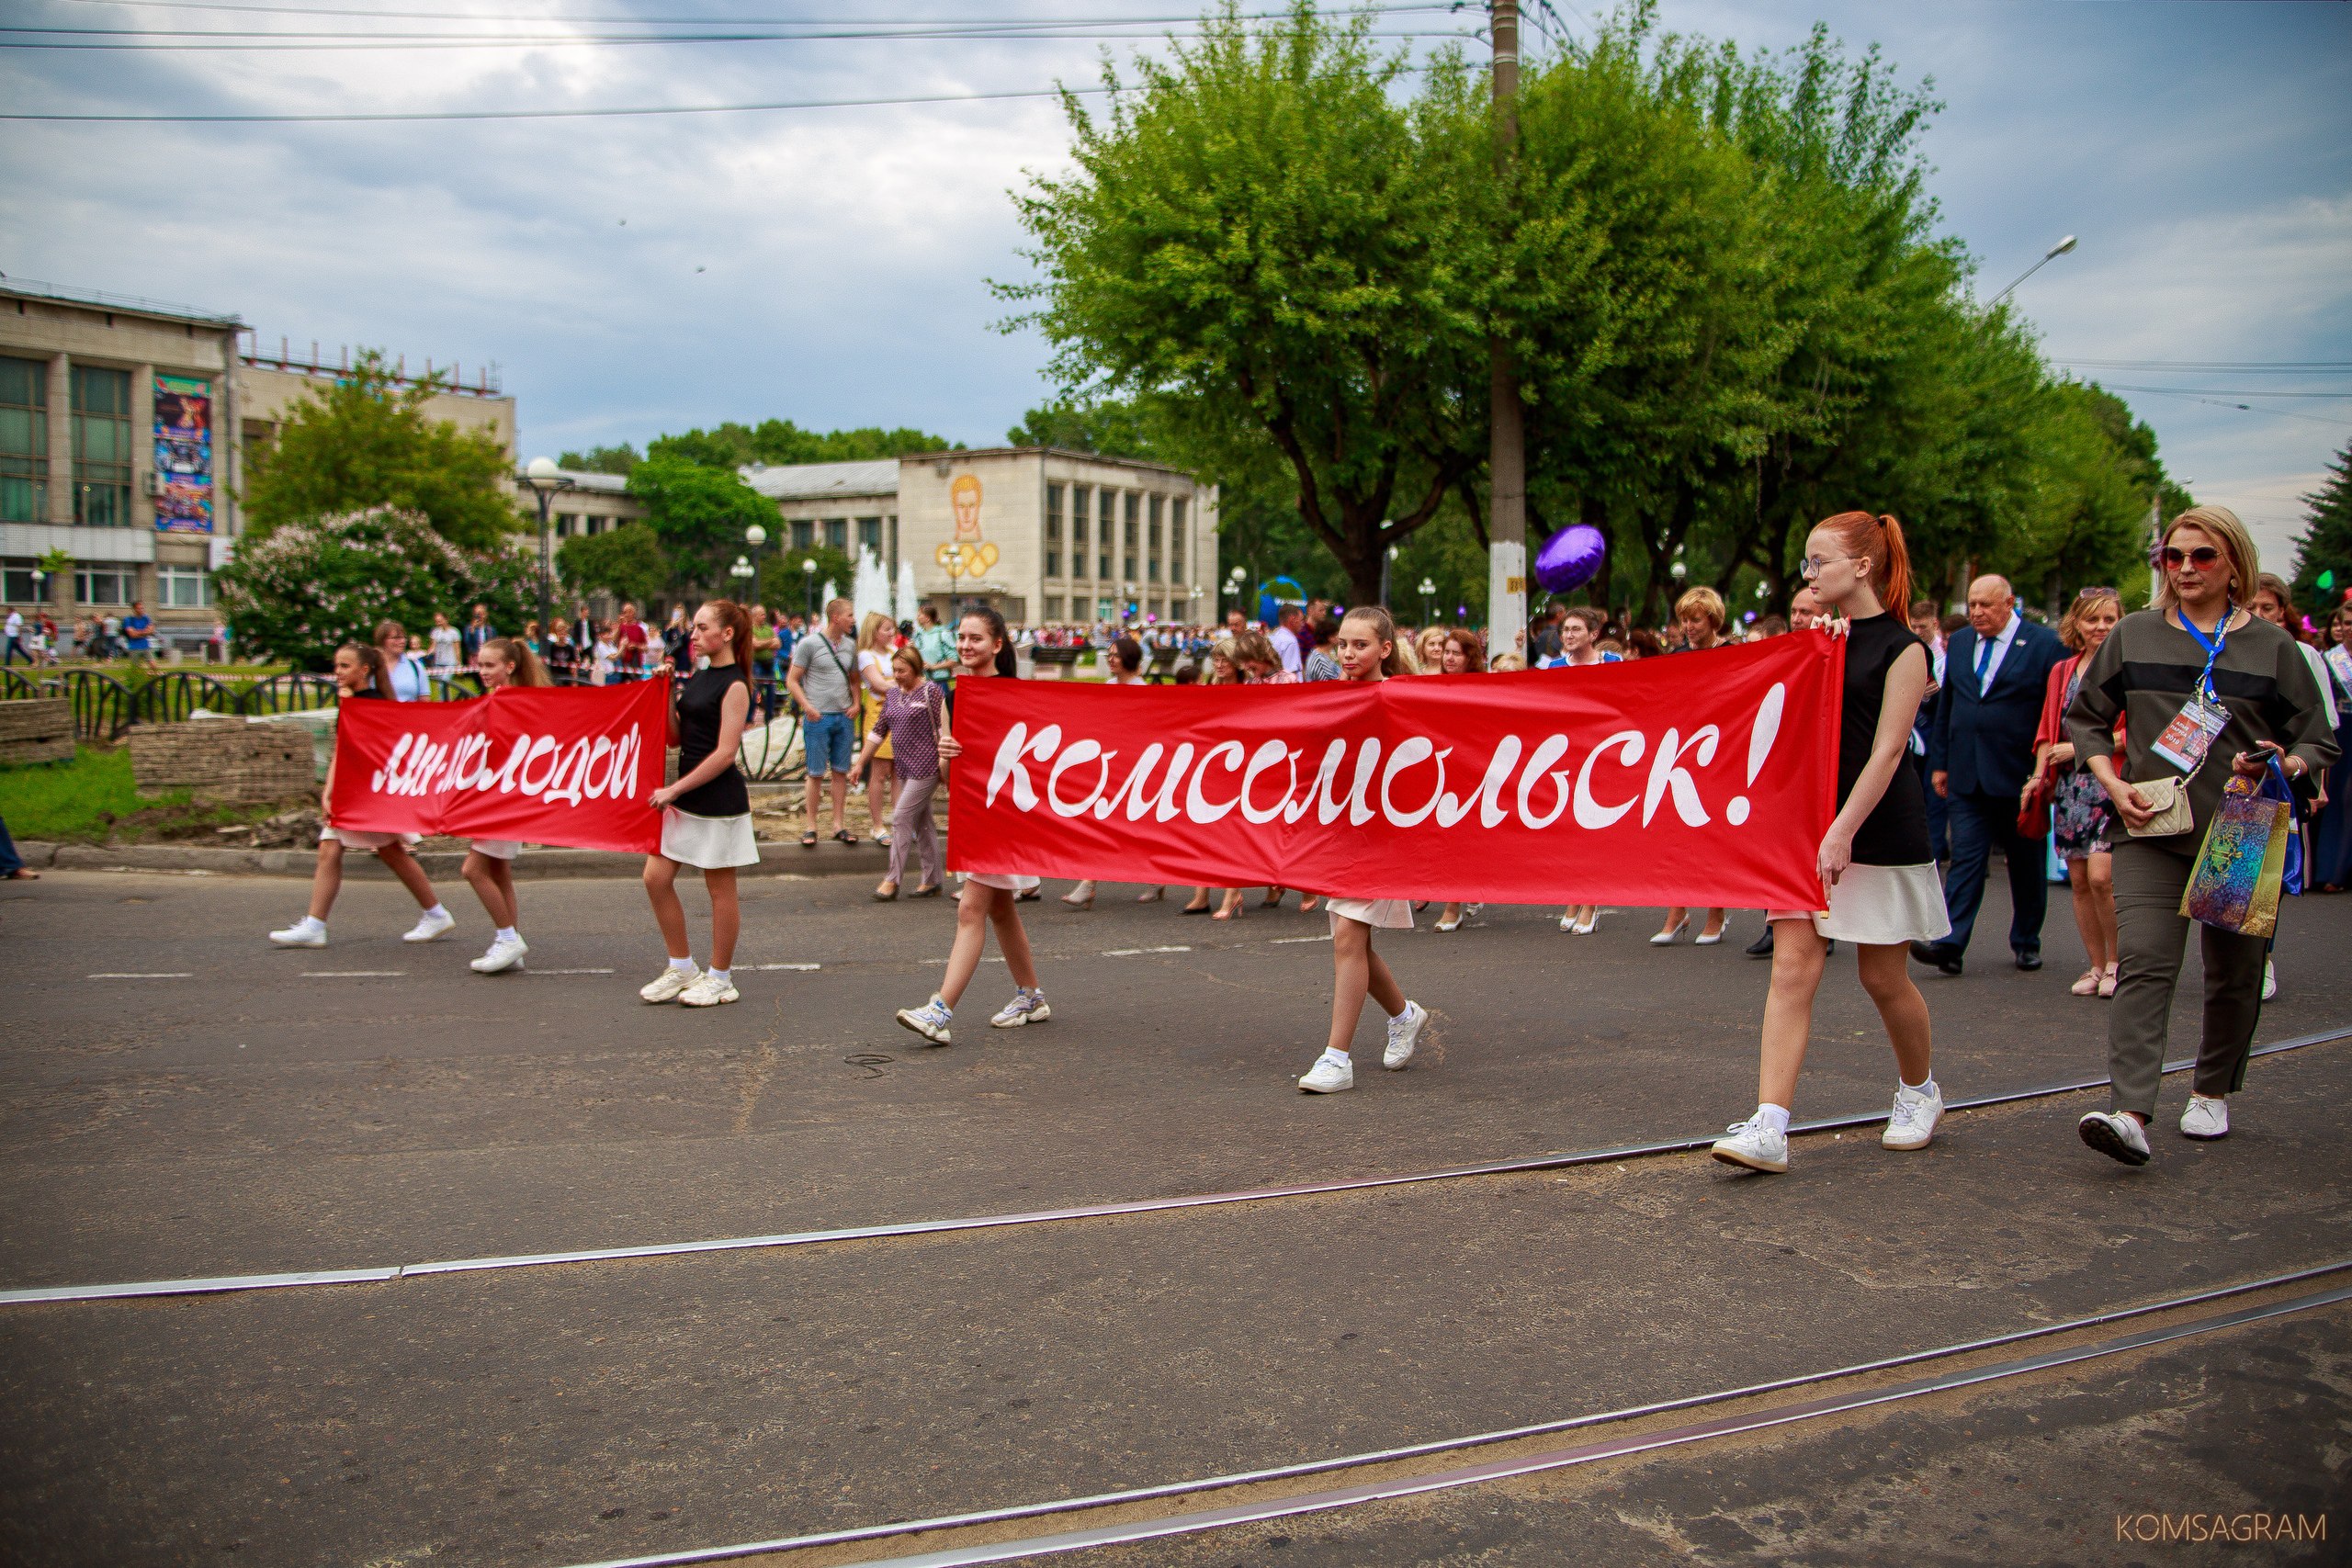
{"x": 2212, "y": 646}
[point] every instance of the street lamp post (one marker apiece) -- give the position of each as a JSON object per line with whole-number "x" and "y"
{"x": 808, "y": 574}
{"x": 545, "y": 479}
{"x": 1429, "y": 600}
{"x": 755, "y": 536}
{"x": 2051, "y": 254}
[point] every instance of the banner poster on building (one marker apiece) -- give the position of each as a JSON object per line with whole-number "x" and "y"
{"x": 183, "y": 455}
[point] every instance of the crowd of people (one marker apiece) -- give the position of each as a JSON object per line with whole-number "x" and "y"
{"x": 2084, "y": 752}
{"x": 33, "y": 636}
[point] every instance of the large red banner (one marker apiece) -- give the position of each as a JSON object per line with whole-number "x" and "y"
{"x": 549, "y": 765}
{"x": 1704, "y": 778}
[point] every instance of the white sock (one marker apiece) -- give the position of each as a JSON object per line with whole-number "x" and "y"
{"x": 436, "y": 913}
{"x": 309, "y": 924}
{"x": 721, "y": 975}
{"x": 683, "y": 965}
{"x": 1337, "y": 1058}
{"x": 505, "y": 933}
{"x": 1926, "y": 1091}
{"x": 1773, "y": 1118}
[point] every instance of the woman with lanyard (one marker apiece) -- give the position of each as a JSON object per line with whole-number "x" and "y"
{"x": 983, "y": 652}
{"x": 707, "y": 815}
{"x": 2206, "y": 690}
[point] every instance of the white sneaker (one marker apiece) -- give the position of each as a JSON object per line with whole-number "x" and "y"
{"x": 2116, "y": 1135}
{"x": 1026, "y": 1007}
{"x": 1912, "y": 1123}
{"x": 2270, "y": 980}
{"x": 1328, "y": 1076}
{"x": 930, "y": 1020}
{"x": 2208, "y": 1116}
{"x": 1753, "y": 1145}
{"x": 707, "y": 991}
{"x": 304, "y": 932}
{"x": 504, "y": 953}
{"x": 429, "y": 927}
{"x": 1404, "y": 1035}
{"x": 667, "y": 985}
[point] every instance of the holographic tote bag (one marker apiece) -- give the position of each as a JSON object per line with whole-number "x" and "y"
{"x": 2240, "y": 869}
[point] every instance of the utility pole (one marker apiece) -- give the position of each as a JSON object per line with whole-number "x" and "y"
{"x": 1506, "y": 458}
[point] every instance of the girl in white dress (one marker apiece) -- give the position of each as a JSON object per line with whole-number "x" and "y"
{"x": 489, "y": 863}
{"x": 982, "y": 652}
{"x": 1367, "y": 650}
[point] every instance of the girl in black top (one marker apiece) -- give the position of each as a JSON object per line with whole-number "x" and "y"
{"x": 1878, "y": 875}
{"x": 707, "y": 815}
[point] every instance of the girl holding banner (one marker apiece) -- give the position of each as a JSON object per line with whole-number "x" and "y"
{"x": 360, "y": 673}
{"x": 1876, "y": 868}
{"x": 983, "y": 651}
{"x": 707, "y": 815}
{"x": 1366, "y": 648}
{"x": 489, "y": 863}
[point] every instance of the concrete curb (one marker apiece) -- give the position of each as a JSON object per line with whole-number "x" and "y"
{"x": 864, "y": 858}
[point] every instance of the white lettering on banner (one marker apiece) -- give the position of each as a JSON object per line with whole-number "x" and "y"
{"x": 541, "y": 746}
{"x": 1674, "y": 768}
{"x": 392, "y": 764}
{"x": 586, "y": 769}
{"x": 591, "y": 777}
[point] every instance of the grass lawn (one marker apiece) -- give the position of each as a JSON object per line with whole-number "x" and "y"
{"x": 92, "y": 799}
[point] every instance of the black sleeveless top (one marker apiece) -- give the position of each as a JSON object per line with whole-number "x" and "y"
{"x": 698, "y": 700}
{"x": 1895, "y": 833}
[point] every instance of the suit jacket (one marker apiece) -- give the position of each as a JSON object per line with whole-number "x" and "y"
{"x": 1984, "y": 739}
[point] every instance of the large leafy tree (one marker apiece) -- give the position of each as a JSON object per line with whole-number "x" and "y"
{"x": 697, "y": 514}
{"x": 1259, "y": 230}
{"x": 2323, "y": 554}
{"x": 777, "y": 442}
{"x": 626, "y": 562}
{"x": 365, "y": 441}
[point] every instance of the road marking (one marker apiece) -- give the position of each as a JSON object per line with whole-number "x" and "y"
{"x": 177, "y": 975}
{"x": 529, "y": 971}
{"x": 1287, "y": 941}
{"x": 804, "y": 968}
{"x": 1138, "y": 952}
{"x": 352, "y": 974}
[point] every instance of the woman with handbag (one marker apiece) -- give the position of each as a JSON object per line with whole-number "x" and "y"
{"x": 2206, "y": 690}
{"x": 2080, "y": 818}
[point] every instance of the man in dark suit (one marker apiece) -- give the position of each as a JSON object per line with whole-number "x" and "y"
{"x": 1995, "y": 670}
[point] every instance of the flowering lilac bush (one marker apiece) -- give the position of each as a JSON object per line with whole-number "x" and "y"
{"x": 306, "y": 588}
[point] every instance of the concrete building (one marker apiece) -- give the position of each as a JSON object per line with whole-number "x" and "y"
{"x": 112, "y": 411}
{"x": 1047, "y": 536}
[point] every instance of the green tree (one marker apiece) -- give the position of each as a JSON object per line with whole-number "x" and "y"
{"x": 306, "y": 587}
{"x": 364, "y": 442}
{"x": 777, "y": 442}
{"x": 2323, "y": 554}
{"x": 1261, "y": 232}
{"x": 626, "y": 562}
{"x": 1110, "y": 426}
{"x": 697, "y": 514}
{"x": 617, "y": 459}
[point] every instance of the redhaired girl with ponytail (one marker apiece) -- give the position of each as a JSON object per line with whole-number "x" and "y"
{"x": 1878, "y": 875}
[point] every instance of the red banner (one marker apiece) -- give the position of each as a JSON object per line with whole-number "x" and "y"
{"x": 1698, "y": 779}
{"x": 549, "y": 765}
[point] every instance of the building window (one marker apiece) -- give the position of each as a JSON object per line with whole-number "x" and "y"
{"x": 183, "y": 588}
{"x": 804, "y": 533}
{"x": 24, "y": 442}
{"x": 1053, "y": 538}
{"x": 1078, "y": 559}
{"x": 1158, "y": 504}
{"x": 16, "y": 585}
{"x": 563, "y": 525}
{"x": 1176, "y": 539}
{"x": 103, "y": 585}
{"x": 1134, "y": 509}
{"x": 869, "y": 536}
{"x": 102, "y": 447}
{"x": 1105, "y": 509}
{"x": 1053, "y": 606}
{"x": 837, "y": 534}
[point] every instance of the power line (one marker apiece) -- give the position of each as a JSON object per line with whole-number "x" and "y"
{"x": 2242, "y": 407}
{"x": 2222, "y": 392}
{"x": 429, "y": 115}
{"x": 573, "y": 40}
{"x": 379, "y": 16}
{"x": 2223, "y": 366}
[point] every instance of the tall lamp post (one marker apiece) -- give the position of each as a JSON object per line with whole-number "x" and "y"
{"x": 545, "y": 479}
{"x": 2051, "y": 254}
{"x": 1233, "y": 586}
{"x": 755, "y": 536}
{"x": 1429, "y": 598}
{"x": 808, "y": 574}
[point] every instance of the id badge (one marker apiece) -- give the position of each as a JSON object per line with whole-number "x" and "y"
{"x": 2191, "y": 734}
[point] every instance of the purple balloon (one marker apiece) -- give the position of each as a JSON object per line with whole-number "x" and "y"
{"x": 1569, "y": 558}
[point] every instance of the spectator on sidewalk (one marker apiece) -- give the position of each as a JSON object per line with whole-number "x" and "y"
{"x": 822, "y": 682}
{"x": 137, "y": 631}
{"x": 477, "y": 633}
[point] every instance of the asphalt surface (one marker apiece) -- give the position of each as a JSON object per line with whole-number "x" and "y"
{"x": 276, "y": 1111}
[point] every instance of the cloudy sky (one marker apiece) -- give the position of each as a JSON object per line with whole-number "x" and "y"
{"x": 632, "y": 275}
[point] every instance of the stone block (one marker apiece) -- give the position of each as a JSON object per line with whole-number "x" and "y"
{"x": 36, "y": 729}
{"x": 222, "y": 761}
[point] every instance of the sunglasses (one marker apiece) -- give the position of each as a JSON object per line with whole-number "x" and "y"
{"x": 2097, "y": 592}
{"x": 2204, "y": 558}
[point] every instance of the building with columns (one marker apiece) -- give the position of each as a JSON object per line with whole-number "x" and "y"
{"x": 125, "y": 428}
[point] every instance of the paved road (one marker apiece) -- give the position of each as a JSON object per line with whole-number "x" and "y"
{"x": 272, "y": 1111}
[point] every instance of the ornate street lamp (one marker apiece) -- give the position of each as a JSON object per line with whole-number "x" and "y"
{"x": 1429, "y": 600}
{"x": 545, "y": 479}
{"x": 808, "y": 574}
{"x": 755, "y": 536}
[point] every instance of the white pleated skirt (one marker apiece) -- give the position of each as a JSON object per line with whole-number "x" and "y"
{"x": 360, "y": 839}
{"x": 1383, "y": 914}
{"x": 1880, "y": 904}
{"x": 496, "y": 849}
{"x": 1010, "y": 882}
{"x": 708, "y": 843}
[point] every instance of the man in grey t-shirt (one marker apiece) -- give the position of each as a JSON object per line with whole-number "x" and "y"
{"x": 822, "y": 677}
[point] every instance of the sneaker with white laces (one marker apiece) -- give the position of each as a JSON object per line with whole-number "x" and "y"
{"x": 1027, "y": 1006}
{"x": 1404, "y": 1035}
{"x": 505, "y": 953}
{"x": 431, "y": 927}
{"x": 1912, "y": 1123}
{"x": 930, "y": 1020}
{"x": 2208, "y": 1117}
{"x": 2116, "y": 1135}
{"x": 707, "y": 991}
{"x": 1328, "y": 1076}
{"x": 304, "y": 932}
{"x": 1753, "y": 1145}
{"x": 667, "y": 986}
